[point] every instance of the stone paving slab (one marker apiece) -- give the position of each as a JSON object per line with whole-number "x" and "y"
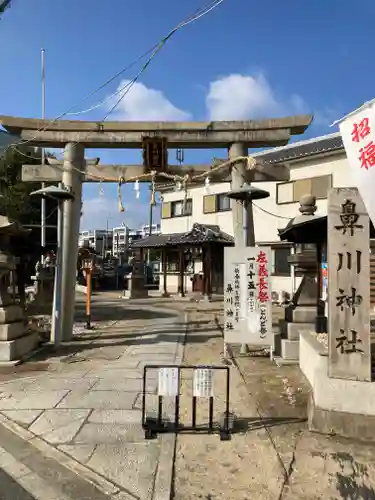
{"x": 132, "y": 466}
{"x": 110, "y": 400}
{"x": 43, "y": 383}
{"x": 110, "y": 434}
{"x": 80, "y": 452}
{"x": 21, "y": 400}
{"x": 22, "y": 417}
{"x": 126, "y": 385}
{"x": 59, "y": 426}
{"x": 116, "y": 417}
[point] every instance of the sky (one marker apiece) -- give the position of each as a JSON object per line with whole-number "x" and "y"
{"x": 245, "y": 59}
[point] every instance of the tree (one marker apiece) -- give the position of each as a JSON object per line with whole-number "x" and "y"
{"x": 16, "y": 202}
{"x": 4, "y": 5}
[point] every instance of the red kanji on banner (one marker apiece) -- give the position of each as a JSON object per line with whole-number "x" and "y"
{"x": 263, "y": 290}
{"x": 367, "y": 157}
{"x": 262, "y": 258}
{"x": 263, "y": 270}
{"x": 361, "y": 130}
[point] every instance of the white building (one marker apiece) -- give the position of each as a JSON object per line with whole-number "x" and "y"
{"x": 123, "y": 237}
{"x": 99, "y": 240}
{"x": 120, "y": 239}
{"x": 316, "y": 165}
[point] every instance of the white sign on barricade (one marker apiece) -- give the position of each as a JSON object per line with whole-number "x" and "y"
{"x": 168, "y": 382}
{"x": 203, "y": 383}
{"x": 247, "y": 295}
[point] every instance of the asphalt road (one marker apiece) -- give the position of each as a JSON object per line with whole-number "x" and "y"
{"x": 11, "y": 490}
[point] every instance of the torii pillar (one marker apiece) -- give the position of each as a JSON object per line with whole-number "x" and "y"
{"x": 74, "y": 164}
{"x": 238, "y": 174}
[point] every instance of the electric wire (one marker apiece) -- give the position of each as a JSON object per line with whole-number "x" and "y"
{"x": 201, "y": 12}
{"x": 270, "y": 213}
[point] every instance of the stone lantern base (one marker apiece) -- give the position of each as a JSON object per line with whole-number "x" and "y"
{"x": 302, "y": 313}
{"x": 136, "y": 287}
{"x": 15, "y": 341}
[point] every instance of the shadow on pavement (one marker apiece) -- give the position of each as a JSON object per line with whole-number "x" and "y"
{"x": 243, "y": 425}
{"x": 115, "y": 311}
{"x": 84, "y": 344}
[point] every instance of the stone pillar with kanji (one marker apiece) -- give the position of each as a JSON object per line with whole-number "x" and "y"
{"x": 348, "y": 286}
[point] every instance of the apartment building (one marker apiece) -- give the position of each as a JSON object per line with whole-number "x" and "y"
{"x": 316, "y": 165}
{"x": 99, "y": 240}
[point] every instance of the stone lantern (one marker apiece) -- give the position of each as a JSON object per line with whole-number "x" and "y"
{"x": 15, "y": 340}
{"x": 306, "y": 311}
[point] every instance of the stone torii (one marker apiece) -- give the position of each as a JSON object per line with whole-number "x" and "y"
{"x": 76, "y": 136}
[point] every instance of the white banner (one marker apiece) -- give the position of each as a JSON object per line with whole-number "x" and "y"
{"x": 247, "y": 295}
{"x": 358, "y": 135}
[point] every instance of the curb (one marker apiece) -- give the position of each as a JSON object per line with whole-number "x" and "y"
{"x": 163, "y": 487}
{"x": 103, "y": 485}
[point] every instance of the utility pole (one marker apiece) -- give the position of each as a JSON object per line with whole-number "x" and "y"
{"x": 43, "y": 201}
{"x": 150, "y": 224}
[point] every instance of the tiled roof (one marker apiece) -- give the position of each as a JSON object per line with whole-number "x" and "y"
{"x": 301, "y": 149}
{"x": 199, "y": 234}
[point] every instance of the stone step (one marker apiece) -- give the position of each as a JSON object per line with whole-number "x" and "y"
{"x": 290, "y": 349}
{"x": 304, "y": 315}
{"x": 291, "y": 331}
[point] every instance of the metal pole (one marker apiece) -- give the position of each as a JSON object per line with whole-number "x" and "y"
{"x": 43, "y": 201}
{"x": 56, "y": 313}
{"x": 150, "y": 225}
{"x": 88, "y": 297}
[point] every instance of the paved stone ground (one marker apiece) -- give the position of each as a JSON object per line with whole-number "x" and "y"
{"x": 272, "y": 455}
{"x": 88, "y": 402}
{"x": 84, "y": 402}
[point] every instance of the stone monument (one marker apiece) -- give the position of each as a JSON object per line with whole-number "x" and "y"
{"x": 342, "y": 396}
{"x": 349, "y": 286}
{"x": 15, "y": 340}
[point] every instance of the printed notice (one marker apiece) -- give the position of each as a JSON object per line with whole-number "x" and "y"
{"x": 168, "y": 382}
{"x": 203, "y": 383}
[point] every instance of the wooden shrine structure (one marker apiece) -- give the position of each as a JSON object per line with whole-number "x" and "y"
{"x": 155, "y": 138}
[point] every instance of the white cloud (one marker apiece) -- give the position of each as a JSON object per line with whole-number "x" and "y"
{"x": 326, "y": 116}
{"x": 143, "y": 103}
{"x": 97, "y": 211}
{"x": 241, "y": 97}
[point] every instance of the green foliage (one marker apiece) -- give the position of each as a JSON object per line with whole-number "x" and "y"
{"x": 16, "y": 202}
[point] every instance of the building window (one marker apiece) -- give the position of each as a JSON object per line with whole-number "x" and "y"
{"x": 292, "y": 192}
{"x": 178, "y": 208}
{"x": 216, "y": 203}
{"x": 181, "y": 208}
{"x": 280, "y": 264}
{"x": 222, "y": 202}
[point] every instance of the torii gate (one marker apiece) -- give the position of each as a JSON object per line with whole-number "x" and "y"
{"x": 75, "y": 136}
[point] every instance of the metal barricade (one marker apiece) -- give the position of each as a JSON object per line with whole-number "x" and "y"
{"x": 169, "y": 385}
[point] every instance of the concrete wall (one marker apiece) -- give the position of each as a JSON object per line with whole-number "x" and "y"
{"x": 333, "y": 394}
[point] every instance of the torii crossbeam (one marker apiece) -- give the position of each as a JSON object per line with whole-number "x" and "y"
{"x": 75, "y": 136}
